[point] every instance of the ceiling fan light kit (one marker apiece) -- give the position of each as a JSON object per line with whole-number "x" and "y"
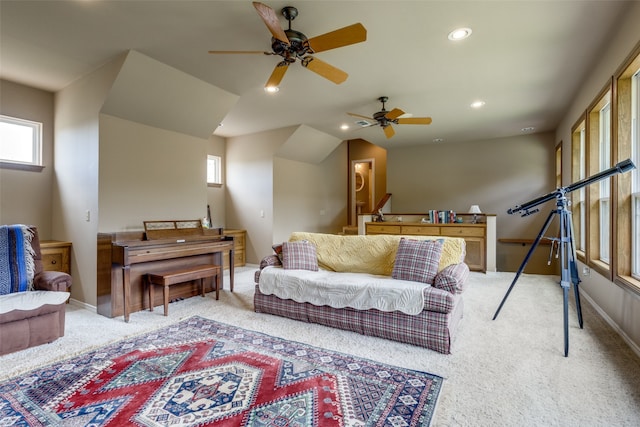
{"x": 292, "y": 45}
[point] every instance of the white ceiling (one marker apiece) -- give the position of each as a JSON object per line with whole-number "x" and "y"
{"x": 525, "y": 59}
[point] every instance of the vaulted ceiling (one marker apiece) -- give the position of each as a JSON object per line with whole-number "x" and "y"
{"x": 524, "y": 59}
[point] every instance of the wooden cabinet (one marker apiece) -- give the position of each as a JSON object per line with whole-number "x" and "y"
{"x": 56, "y": 255}
{"x": 475, "y": 236}
{"x": 239, "y": 254}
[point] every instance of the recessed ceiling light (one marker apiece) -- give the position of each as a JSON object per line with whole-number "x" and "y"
{"x": 459, "y": 34}
{"x": 271, "y": 89}
{"x": 477, "y": 104}
{"x": 344, "y": 126}
{"x": 437, "y": 140}
{"x": 528, "y": 129}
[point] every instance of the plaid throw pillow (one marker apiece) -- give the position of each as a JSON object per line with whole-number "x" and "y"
{"x": 299, "y": 256}
{"x": 417, "y": 260}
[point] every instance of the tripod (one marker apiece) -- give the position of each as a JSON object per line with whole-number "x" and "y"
{"x": 568, "y": 268}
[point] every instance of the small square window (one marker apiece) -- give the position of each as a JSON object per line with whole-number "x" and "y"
{"x": 20, "y": 141}
{"x": 214, "y": 170}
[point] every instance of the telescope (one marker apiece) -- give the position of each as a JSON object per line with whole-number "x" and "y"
{"x": 566, "y": 248}
{"x": 525, "y": 208}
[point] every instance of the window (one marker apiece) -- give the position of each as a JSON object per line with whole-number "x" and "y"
{"x": 214, "y": 170}
{"x": 605, "y": 185}
{"x": 625, "y": 195}
{"x": 635, "y": 174}
{"x": 20, "y": 142}
{"x": 578, "y": 172}
{"x": 598, "y": 145}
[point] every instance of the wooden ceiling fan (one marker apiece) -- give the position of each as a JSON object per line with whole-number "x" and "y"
{"x": 386, "y": 118}
{"x": 292, "y": 45}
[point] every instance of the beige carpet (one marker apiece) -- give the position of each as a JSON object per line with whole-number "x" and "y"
{"x": 507, "y": 372}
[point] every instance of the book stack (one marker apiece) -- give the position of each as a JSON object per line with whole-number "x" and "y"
{"x": 442, "y": 217}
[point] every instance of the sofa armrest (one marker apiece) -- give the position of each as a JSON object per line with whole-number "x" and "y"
{"x": 52, "y": 281}
{"x": 452, "y": 278}
{"x": 268, "y": 261}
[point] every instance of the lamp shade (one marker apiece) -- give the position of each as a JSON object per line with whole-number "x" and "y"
{"x": 475, "y": 209}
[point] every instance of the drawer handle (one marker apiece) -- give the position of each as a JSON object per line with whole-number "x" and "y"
{"x": 53, "y": 261}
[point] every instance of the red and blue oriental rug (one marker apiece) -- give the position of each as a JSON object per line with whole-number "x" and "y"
{"x": 200, "y": 372}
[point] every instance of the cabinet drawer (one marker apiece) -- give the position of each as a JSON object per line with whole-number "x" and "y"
{"x": 56, "y": 256}
{"x": 53, "y": 262}
{"x": 422, "y": 230}
{"x": 383, "y": 229}
{"x": 465, "y": 231}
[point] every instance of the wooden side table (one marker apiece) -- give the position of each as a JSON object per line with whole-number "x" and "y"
{"x": 239, "y": 250}
{"x": 56, "y": 255}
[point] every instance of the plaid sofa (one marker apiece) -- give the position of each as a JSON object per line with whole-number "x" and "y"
{"x": 433, "y": 328}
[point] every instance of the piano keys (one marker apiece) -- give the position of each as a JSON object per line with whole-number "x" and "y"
{"x": 125, "y": 257}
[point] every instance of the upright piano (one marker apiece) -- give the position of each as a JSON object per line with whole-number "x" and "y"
{"x": 125, "y": 257}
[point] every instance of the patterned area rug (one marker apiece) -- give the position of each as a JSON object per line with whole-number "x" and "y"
{"x": 202, "y": 372}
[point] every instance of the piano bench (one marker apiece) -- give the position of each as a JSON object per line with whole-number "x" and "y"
{"x": 187, "y": 274}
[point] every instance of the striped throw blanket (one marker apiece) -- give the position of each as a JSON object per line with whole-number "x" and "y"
{"x": 17, "y": 265}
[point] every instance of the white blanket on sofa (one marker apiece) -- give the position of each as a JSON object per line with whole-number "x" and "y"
{"x": 361, "y": 291}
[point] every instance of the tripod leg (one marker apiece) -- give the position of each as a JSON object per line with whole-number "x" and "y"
{"x": 565, "y": 292}
{"x": 575, "y": 278}
{"x": 525, "y": 261}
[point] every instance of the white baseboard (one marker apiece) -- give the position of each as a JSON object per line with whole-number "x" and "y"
{"x": 634, "y": 347}
{"x": 83, "y": 305}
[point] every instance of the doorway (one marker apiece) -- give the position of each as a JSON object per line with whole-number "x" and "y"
{"x": 362, "y": 188}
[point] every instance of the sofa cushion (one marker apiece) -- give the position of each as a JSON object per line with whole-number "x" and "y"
{"x": 417, "y": 260}
{"x": 361, "y": 291}
{"x": 31, "y": 300}
{"x": 299, "y": 256}
{"x": 373, "y": 254}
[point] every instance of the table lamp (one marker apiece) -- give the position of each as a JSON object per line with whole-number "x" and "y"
{"x": 475, "y": 210}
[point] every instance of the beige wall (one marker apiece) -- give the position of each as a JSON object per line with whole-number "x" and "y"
{"x": 249, "y": 181}
{"x": 271, "y": 197}
{"x": 148, "y": 173}
{"x": 75, "y": 192}
{"x": 617, "y": 304}
{"x": 25, "y": 196}
{"x": 494, "y": 174}
{"x": 309, "y": 197}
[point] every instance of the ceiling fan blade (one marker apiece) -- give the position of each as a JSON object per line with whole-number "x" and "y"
{"x": 355, "y": 33}
{"x": 327, "y": 71}
{"x": 415, "y": 121}
{"x": 277, "y": 74}
{"x": 241, "y": 51}
{"x": 394, "y": 114}
{"x": 389, "y": 131}
{"x": 363, "y": 117}
{"x": 270, "y": 19}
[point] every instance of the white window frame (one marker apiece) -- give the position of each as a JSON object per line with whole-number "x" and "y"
{"x": 34, "y": 157}
{"x": 605, "y": 185}
{"x": 214, "y": 170}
